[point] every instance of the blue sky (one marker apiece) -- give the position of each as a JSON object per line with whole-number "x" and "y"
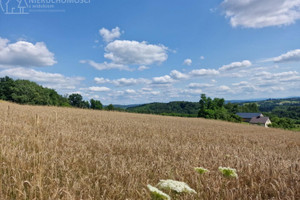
{"x": 137, "y": 51}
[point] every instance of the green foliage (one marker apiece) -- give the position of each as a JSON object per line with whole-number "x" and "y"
{"x": 176, "y": 108}
{"x": 248, "y": 108}
{"x": 216, "y": 109}
{"x": 284, "y": 113}
{"x": 110, "y": 107}
{"x": 285, "y": 123}
{"x": 228, "y": 172}
{"x": 95, "y": 104}
{"x": 201, "y": 170}
{"x": 76, "y": 100}
{"x": 27, "y": 92}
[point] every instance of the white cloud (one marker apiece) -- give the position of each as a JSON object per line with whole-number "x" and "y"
{"x": 269, "y": 75}
{"x": 290, "y": 56}
{"x": 129, "y": 82}
{"x": 178, "y": 75}
{"x": 261, "y": 13}
{"x": 199, "y": 85}
{"x": 108, "y": 35}
{"x": 122, "y": 81}
{"x": 105, "y": 65}
{"x": 192, "y": 91}
{"x": 51, "y": 80}
{"x": 187, "y": 62}
{"x": 202, "y": 57}
{"x": 224, "y": 88}
{"x": 101, "y": 80}
{"x": 25, "y": 54}
{"x": 162, "y": 80}
{"x": 204, "y": 72}
{"x": 98, "y": 89}
{"x": 242, "y": 83}
{"x": 236, "y": 65}
{"x": 125, "y": 52}
{"x": 130, "y": 91}
{"x": 147, "y": 89}
{"x": 142, "y": 68}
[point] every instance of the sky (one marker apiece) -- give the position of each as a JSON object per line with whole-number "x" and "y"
{"x": 141, "y": 51}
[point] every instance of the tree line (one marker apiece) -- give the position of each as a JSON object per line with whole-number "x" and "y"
{"x": 28, "y": 92}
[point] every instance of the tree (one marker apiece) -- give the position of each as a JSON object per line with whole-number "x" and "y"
{"x": 215, "y": 109}
{"x": 202, "y": 102}
{"x": 249, "y": 107}
{"x": 110, "y": 107}
{"x": 75, "y": 100}
{"x": 232, "y": 108}
{"x": 6, "y": 86}
{"x": 284, "y": 123}
{"x": 95, "y": 104}
{"x": 85, "y": 104}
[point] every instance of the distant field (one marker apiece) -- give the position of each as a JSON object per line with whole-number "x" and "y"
{"x": 67, "y": 153}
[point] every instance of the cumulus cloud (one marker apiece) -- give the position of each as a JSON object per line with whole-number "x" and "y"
{"x": 258, "y": 13}
{"x": 125, "y": 52}
{"x": 192, "y": 91}
{"x": 142, "y": 68}
{"x": 25, "y": 54}
{"x": 291, "y": 56}
{"x": 267, "y": 81}
{"x": 108, "y": 35}
{"x": 242, "y": 83}
{"x": 101, "y": 80}
{"x": 187, "y": 62}
{"x": 178, "y": 75}
{"x": 199, "y": 85}
{"x": 224, "y": 88}
{"x": 51, "y": 80}
{"x": 105, "y": 65}
{"x": 236, "y": 65}
{"x": 268, "y": 75}
{"x": 130, "y": 91}
{"x": 122, "y": 81}
{"x": 203, "y": 72}
{"x": 98, "y": 89}
{"x": 162, "y": 80}
{"x": 129, "y": 81}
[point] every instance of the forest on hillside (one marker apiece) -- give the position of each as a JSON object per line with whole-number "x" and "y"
{"x": 284, "y": 113}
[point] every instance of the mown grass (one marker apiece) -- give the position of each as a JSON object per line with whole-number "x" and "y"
{"x": 66, "y": 153}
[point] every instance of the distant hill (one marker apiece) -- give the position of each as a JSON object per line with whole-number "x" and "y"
{"x": 281, "y": 107}
{"x": 178, "y": 107}
{"x": 126, "y": 106}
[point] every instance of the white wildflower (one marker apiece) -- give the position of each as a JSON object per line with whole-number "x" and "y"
{"x": 201, "y": 170}
{"x": 176, "y": 186}
{"x": 228, "y": 172}
{"x": 156, "y": 194}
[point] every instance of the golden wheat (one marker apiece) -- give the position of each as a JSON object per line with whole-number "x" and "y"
{"x": 64, "y": 153}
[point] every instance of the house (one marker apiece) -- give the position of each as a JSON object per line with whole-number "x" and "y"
{"x": 263, "y": 121}
{"x": 246, "y": 117}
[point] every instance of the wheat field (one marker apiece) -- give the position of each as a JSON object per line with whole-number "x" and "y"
{"x": 67, "y": 153}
